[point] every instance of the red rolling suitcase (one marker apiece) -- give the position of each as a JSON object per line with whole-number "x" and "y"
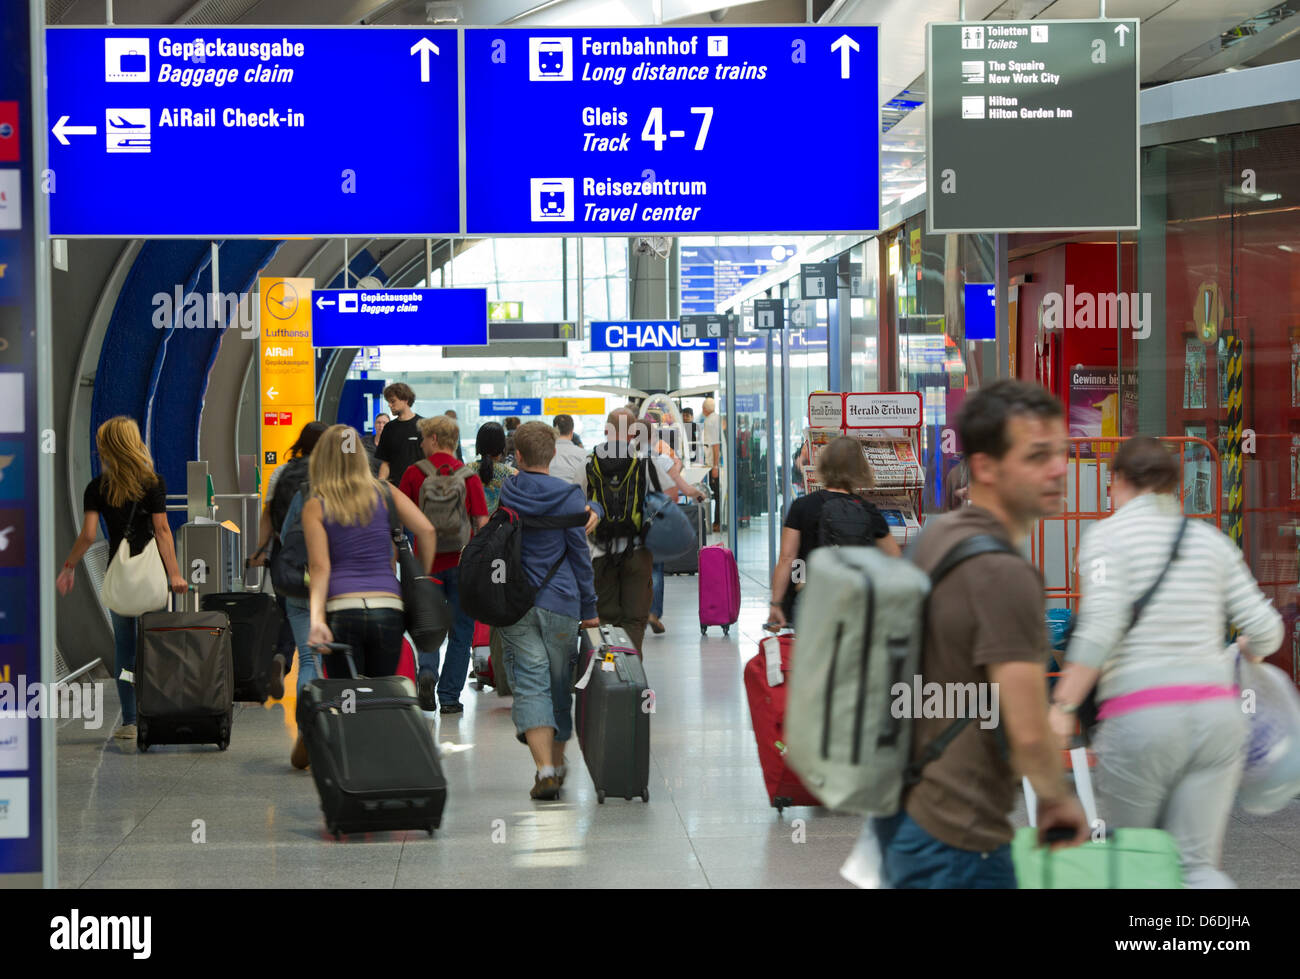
{"x": 765, "y": 684}
{"x": 719, "y": 588}
{"x": 481, "y": 655}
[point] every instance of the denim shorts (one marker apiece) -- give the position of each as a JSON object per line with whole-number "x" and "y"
{"x": 539, "y": 651}
{"x": 912, "y": 858}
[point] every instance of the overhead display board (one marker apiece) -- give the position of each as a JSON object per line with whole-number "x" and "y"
{"x": 398, "y": 317}
{"x": 252, "y": 132}
{"x": 650, "y": 130}
{"x": 1032, "y": 126}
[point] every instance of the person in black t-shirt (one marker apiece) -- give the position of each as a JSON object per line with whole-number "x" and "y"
{"x": 399, "y": 443}
{"x": 841, "y": 467}
{"x": 130, "y": 498}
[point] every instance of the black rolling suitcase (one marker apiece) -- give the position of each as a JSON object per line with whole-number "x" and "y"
{"x": 255, "y": 623}
{"x": 184, "y": 679}
{"x": 372, "y": 756}
{"x": 611, "y": 714}
{"x": 689, "y": 563}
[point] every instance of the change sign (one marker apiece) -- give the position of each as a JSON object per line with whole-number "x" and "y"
{"x": 1032, "y": 126}
{"x": 647, "y": 130}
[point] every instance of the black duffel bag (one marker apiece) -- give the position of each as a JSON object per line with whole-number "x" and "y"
{"x": 428, "y": 614}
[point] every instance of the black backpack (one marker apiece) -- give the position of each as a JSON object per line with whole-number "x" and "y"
{"x": 289, "y": 555}
{"x": 845, "y": 520}
{"x": 288, "y": 484}
{"x": 618, "y": 485}
{"x": 494, "y": 587}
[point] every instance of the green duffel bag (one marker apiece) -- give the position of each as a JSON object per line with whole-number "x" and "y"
{"x": 1127, "y": 858}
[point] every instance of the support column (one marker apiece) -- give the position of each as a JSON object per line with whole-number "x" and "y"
{"x": 652, "y": 295}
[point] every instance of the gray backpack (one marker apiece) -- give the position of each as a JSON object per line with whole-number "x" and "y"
{"x": 860, "y": 626}
{"x": 442, "y": 499}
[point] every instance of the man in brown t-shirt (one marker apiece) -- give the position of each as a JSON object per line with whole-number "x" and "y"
{"x": 985, "y": 625}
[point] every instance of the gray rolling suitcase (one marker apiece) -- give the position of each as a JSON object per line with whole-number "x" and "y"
{"x": 611, "y": 714}
{"x": 184, "y": 679}
{"x": 689, "y": 563}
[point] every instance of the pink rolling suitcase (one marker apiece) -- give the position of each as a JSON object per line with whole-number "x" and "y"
{"x": 719, "y": 588}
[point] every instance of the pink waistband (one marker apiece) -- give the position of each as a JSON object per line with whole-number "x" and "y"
{"x": 1155, "y": 696}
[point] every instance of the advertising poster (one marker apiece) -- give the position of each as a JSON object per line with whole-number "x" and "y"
{"x": 1197, "y": 474}
{"x": 1095, "y": 408}
{"x": 1295, "y": 467}
{"x": 1194, "y": 375}
{"x": 1295, "y": 372}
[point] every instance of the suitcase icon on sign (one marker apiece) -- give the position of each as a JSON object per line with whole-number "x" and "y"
{"x": 132, "y": 61}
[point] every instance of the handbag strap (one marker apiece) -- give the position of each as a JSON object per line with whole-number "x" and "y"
{"x": 1145, "y": 598}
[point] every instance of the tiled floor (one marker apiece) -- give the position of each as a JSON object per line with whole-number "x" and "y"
{"x": 193, "y": 816}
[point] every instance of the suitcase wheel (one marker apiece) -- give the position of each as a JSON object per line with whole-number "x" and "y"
{"x": 600, "y": 796}
{"x": 142, "y": 736}
{"x": 726, "y": 630}
{"x": 704, "y": 630}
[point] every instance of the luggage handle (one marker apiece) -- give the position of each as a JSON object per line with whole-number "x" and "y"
{"x": 335, "y": 647}
{"x": 189, "y": 589}
{"x": 771, "y": 647}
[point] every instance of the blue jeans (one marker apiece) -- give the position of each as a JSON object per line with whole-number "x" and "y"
{"x": 538, "y": 652}
{"x": 455, "y": 668}
{"x": 914, "y": 858}
{"x": 298, "y": 612}
{"x": 375, "y": 635}
{"x": 657, "y": 582}
{"x": 124, "y": 642}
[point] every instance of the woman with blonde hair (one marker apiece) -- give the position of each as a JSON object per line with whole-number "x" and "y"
{"x": 833, "y": 515}
{"x": 131, "y": 499}
{"x": 355, "y": 596}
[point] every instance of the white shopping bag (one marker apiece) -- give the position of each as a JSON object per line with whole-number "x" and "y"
{"x": 865, "y": 866}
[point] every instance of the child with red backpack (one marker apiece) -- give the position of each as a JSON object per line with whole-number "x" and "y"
{"x": 451, "y": 496}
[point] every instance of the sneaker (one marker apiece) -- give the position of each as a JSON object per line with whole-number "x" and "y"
{"x": 656, "y": 626}
{"x": 545, "y": 788}
{"x": 452, "y": 709}
{"x": 298, "y": 758}
{"x": 126, "y": 732}
{"x": 717, "y": 529}
{"x": 560, "y": 772}
{"x": 277, "y": 677}
{"x": 427, "y": 690}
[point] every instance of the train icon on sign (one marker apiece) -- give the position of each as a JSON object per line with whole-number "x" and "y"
{"x": 550, "y": 59}
{"x": 552, "y": 198}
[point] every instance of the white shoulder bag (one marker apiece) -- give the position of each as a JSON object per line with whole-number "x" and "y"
{"x": 135, "y": 584}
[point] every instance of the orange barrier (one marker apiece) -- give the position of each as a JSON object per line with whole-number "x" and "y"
{"x": 1071, "y": 522}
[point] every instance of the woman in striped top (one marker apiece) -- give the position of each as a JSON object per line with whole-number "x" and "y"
{"x": 1172, "y": 741}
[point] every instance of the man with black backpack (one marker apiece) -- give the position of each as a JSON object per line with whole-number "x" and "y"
{"x": 618, "y": 477}
{"x": 451, "y": 495}
{"x": 984, "y": 624}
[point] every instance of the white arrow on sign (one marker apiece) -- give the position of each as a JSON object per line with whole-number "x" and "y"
{"x": 271, "y": 392}
{"x": 1122, "y": 30}
{"x": 62, "y": 130}
{"x": 843, "y": 44}
{"x": 322, "y": 302}
{"x": 424, "y": 46}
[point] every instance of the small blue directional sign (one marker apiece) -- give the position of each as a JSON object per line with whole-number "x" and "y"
{"x": 398, "y": 317}
{"x": 622, "y": 131}
{"x": 249, "y": 132}
{"x": 618, "y": 336}
{"x": 504, "y": 408}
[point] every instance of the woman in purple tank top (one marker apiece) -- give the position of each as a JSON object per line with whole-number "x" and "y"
{"x": 355, "y": 595}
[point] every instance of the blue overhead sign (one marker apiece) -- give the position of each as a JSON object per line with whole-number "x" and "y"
{"x": 398, "y": 317}
{"x": 712, "y": 274}
{"x": 251, "y": 132}
{"x": 618, "y": 131}
{"x": 981, "y": 311}
{"x": 502, "y": 407}
{"x": 618, "y": 336}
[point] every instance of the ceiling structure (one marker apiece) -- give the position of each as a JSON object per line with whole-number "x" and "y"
{"x": 1179, "y": 38}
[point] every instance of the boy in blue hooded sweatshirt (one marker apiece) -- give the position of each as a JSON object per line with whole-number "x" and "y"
{"x": 539, "y": 647}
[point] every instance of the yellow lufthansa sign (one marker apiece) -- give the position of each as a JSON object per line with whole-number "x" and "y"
{"x": 287, "y": 367}
{"x": 573, "y": 406}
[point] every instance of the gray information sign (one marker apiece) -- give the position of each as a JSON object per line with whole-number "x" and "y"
{"x": 1032, "y": 126}
{"x": 818, "y": 280}
{"x": 710, "y": 326}
{"x": 769, "y": 314}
